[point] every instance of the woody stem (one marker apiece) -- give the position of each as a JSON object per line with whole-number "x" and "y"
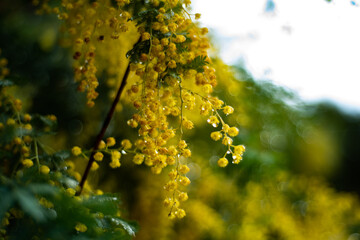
{"x": 101, "y": 134}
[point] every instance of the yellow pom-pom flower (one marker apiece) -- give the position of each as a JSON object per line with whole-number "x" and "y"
{"x": 80, "y": 227}
{"x": 213, "y": 120}
{"x": 71, "y": 191}
{"x": 44, "y": 169}
{"x": 183, "y": 169}
{"x": 227, "y": 141}
{"x": 76, "y": 151}
{"x": 222, "y": 162}
{"x": 94, "y": 166}
{"x": 228, "y": 110}
{"x": 102, "y": 145}
{"x": 110, "y": 141}
{"x": 27, "y": 163}
{"x": 184, "y": 181}
{"x": 180, "y": 213}
{"x": 216, "y": 136}
{"x": 98, "y": 156}
{"x": 233, "y": 131}
{"x": 126, "y": 144}
{"x": 138, "y": 159}
{"x": 239, "y": 150}
{"x": 188, "y": 124}
{"x": 183, "y": 196}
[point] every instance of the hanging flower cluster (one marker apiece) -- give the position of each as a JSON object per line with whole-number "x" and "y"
{"x": 171, "y": 78}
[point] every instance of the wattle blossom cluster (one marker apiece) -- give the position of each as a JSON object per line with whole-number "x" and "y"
{"x": 170, "y": 80}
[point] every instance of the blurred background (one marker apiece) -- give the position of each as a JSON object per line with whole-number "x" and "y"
{"x": 309, "y": 46}
{"x": 289, "y": 62}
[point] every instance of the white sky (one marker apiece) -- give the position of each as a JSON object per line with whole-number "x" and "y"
{"x": 310, "y": 46}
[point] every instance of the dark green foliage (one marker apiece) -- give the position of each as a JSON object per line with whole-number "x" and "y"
{"x": 138, "y": 49}
{"x": 197, "y": 64}
{"x": 98, "y": 213}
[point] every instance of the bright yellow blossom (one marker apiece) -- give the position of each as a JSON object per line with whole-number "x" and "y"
{"x": 76, "y": 151}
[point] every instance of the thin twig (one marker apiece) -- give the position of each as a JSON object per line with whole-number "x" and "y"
{"x": 101, "y": 134}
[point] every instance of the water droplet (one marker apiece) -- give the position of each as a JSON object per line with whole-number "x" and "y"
{"x": 214, "y": 125}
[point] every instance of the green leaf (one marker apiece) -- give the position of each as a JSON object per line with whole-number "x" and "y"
{"x": 178, "y": 8}
{"x": 29, "y": 204}
{"x": 8, "y": 134}
{"x": 198, "y": 63}
{"x": 107, "y": 204}
{"x": 69, "y": 182}
{"x": 42, "y": 188}
{"x": 130, "y": 227}
{"x": 62, "y": 155}
{"x": 147, "y": 16}
{"x": 6, "y": 201}
{"x": 138, "y": 49}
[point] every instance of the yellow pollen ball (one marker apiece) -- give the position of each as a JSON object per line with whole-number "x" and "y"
{"x": 184, "y": 181}
{"x": 138, "y": 159}
{"x": 115, "y": 163}
{"x": 183, "y": 169}
{"x": 110, "y": 141}
{"x": 10, "y": 121}
{"x": 186, "y": 153}
{"x": 44, "y": 169}
{"x": 145, "y": 36}
{"x": 98, "y": 156}
{"x": 222, "y": 162}
{"x": 71, "y": 191}
{"x": 239, "y": 150}
{"x": 172, "y": 64}
{"x": 27, "y": 117}
{"x": 213, "y": 120}
{"x": 183, "y": 196}
{"x": 233, "y": 131}
{"x": 27, "y": 126}
{"x": 180, "y": 213}
{"x": 94, "y": 166}
{"x": 188, "y": 124}
{"x": 227, "y": 141}
{"x": 17, "y": 140}
{"x": 76, "y": 151}
{"x": 102, "y": 145}
{"x": 182, "y": 144}
{"x": 27, "y": 163}
{"x": 216, "y": 136}
{"x": 225, "y": 128}
{"x": 228, "y": 110}
{"x": 170, "y": 160}
{"x": 126, "y": 144}
{"x": 80, "y": 227}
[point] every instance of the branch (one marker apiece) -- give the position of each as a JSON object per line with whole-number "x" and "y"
{"x": 101, "y": 134}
